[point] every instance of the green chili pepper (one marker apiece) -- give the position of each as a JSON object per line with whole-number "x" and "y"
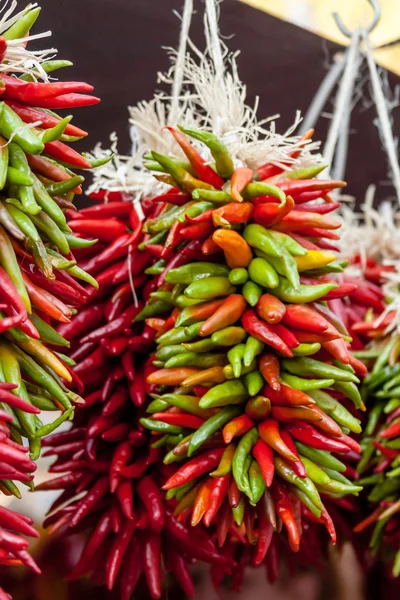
{"x": 336, "y": 410}
{"x": 229, "y": 374}
{"x": 9, "y": 263}
{"x": 332, "y": 474}
{"x": 386, "y": 488}
{"x": 179, "y": 335}
{"x": 21, "y": 27}
{"x": 213, "y": 195}
{"x": 42, "y": 402}
{"x": 305, "y": 484}
{"x": 261, "y": 272}
{"x": 391, "y": 405}
{"x": 305, "y": 500}
{"x": 257, "y": 483}
{"x": 378, "y": 379}
{"x": 303, "y": 294}
{"x": 293, "y": 247}
{"x": 336, "y": 487}
{"x": 373, "y": 418}
{"x": 315, "y": 473}
{"x": 223, "y": 162}
{"x": 212, "y": 425}
{"x": 47, "y": 333}
{"x": 16, "y": 177}
{"x": 194, "y": 271}
{"x": 204, "y": 345}
{"x": 259, "y": 237}
{"x": 157, "y": 405}
{"x": 285, "y": 265}
{"x": 252, "y": 349}
{"x": 167, "y": 352}
{"x": 209, "y": 288}
{"x": 310, "y": 366}
{"x": 192, "y": 359}
{"x": 81, "y": 274}
{"x": 162, "y": 295}
{"x": 12, "y": 126}
{"x": 165, "y": 220}
{"x": 51, "y": 230}
{"x": 228, "y": 336}
{"x": 242, "y": 451}
{"x": 254, "y": 382}
{"x": 238, "y": 512}
{"x": 229, "y": 392}
{"x": 159, "y": 426}
{"x": 235, "y": 356}
{"x": 368, "y": 450}
{"x": 306, "y": 385}
{"x": 184, "y": 302}
{"x": 48, "y": 204}
{"x": 306, "y": 349}
{"x": 4, "y": 157}
{"x": 46, "y": 429}
{"x": 238, "y": 276}
{"x": 350, "y": 390}
{"x": 320, "y": 457}
{"x": 63, "y": 187}
{"x": 157, "y": 268}
{"x": 158, "y": 238}
{"x": 152, "y": 307}
{"x": 262, "y": 188}
{"x": 41, "y": 377}
{"x": 11, "y": 487}
{"x": 188, "y": 403}
{"x": 251, "y": 293}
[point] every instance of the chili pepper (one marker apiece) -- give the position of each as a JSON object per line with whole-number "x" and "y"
{"x": 212, "y": 425}
{"x": 202, "y": 170}
{"x": 269, "y": 169}
{"x": 219, "y": 152}
{"x": 237, "y": 427}
{"x": 271, "y": 309}
{"x": 269, "y": 367}
{"x": 202, "y": 502}
{"x": 194, "y": 468}
{"x": 211, "y": 287}
{"x": 269, "y": 433}
{"x": 181, "y": 420}
{"x": 305, "y": 433}
{"x": 9, "y": 264}
{"x": 243, "y": 449}
{"x": 237, "y": 251}
{"x": 257, "y": 483}
{"x": 284, "y": 510}
{"x": 238, "y": 276}
{"x": 310, "y": 366}
{"x": 239, "y": 180}
{"x": 194, "y": 271}
{"x": 254, "y": 382}
{"x": 304, "y": 293}
{"x": 270, "y": 214}
{"x": 263, "y": 332}
{"x": 152, "y": 563}
{"x": 230, "y": 392}
{"x": 218, "y": 493}
{"x": 264, "y": 457}
{"x": 251, "y": 293}
{"x": 226, "y": 314}
{"x": 263, "y": 273}
{"x": 258, "y": 408}
{"x": 306, "y": 385}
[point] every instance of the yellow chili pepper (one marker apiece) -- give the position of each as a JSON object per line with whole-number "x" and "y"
{"x": 314, "y": 259}
{"x": 46, "y": 356}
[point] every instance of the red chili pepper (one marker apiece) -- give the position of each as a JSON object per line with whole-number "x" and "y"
{"x": 270, "y": 370}
{"x": 194, "y": 468}
{"x": 270, "y": 214}
{"x": 321, "y": 209}
{"x": 299, "y": 316}
{"x": 303, "y": 432}
{"x": 265, "y": 532}
{"x": 113, "y": 326}
{"x": 104, "y": 229}
{"x": 149, "y": 493}
{"x": 233, "y": 213}
{"x": 116, "y": 555}
{"x": 179, "y": 568}
{"x": 270, "y": 309}
{"x": 64, "y": 153}
{"x": 263, "y": 332}
{"x": 218, "y": 493}
{"x": 270, "y": 434}
{"x": 237, "y": 426}
{"x": 269, "y": 169}
{"x": 296, "y": 465}
{"x": 66, "y": 101}
{"x": 202, "y": 170}
{"x": 180, "y": 420}
{"x": 284, "y": 509}
{"x": 288, "y": 396}
{"x": 300, "y": 186}
{"x": 197, "y": 231}
{"x": 285, "y": 334}
{"x": 264, "y": 456}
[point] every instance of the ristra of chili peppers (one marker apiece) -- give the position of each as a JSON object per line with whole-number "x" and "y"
{"x": 251, "y": 343}
{"x": 107, "y": 453}
{"x": 39, "y": 277}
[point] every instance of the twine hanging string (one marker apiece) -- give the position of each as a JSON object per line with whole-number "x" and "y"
{"x": 343, "y": 104}
{"x": 383, "y": 116}
{"x": 179, "y": 71}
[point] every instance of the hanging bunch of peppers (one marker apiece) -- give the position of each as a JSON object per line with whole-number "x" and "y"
{"x": 38, "y": 272}
{"x": 243, "y": 410}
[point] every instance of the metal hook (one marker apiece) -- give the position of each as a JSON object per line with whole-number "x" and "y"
{"x": 375, "y": 21}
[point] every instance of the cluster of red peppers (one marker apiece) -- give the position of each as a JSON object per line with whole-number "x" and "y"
{"x": 376, "y": 341}
{"x": 220, "y": 390}
{"x": 38, "y": 272}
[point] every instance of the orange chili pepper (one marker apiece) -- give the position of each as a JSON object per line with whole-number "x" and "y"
{"x": 227, "y": 314}
{"x": 240, "y": 178}
{"x": 238, "y": 426}
{"x": 202, "y": 502}
{"x": 170, "y": 376}
{"x": 211, "y": 375}
{"x": 236, "y": 249}
{"x": 46, "y": 302}
{"x": 270, "y": 308}
{"x": 338, "y": 349}
{"x": 270, "y": 370}
{"x": 232, "y": 213}
{"x": 269, "y": 433}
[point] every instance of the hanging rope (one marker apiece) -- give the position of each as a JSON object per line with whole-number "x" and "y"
{"x": 213, "y": 37}
{"x": 383, "y": 116}
{"x": 180, "y": 62}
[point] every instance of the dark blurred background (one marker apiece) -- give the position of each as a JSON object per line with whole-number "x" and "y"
{"x": 116, "y": 45}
